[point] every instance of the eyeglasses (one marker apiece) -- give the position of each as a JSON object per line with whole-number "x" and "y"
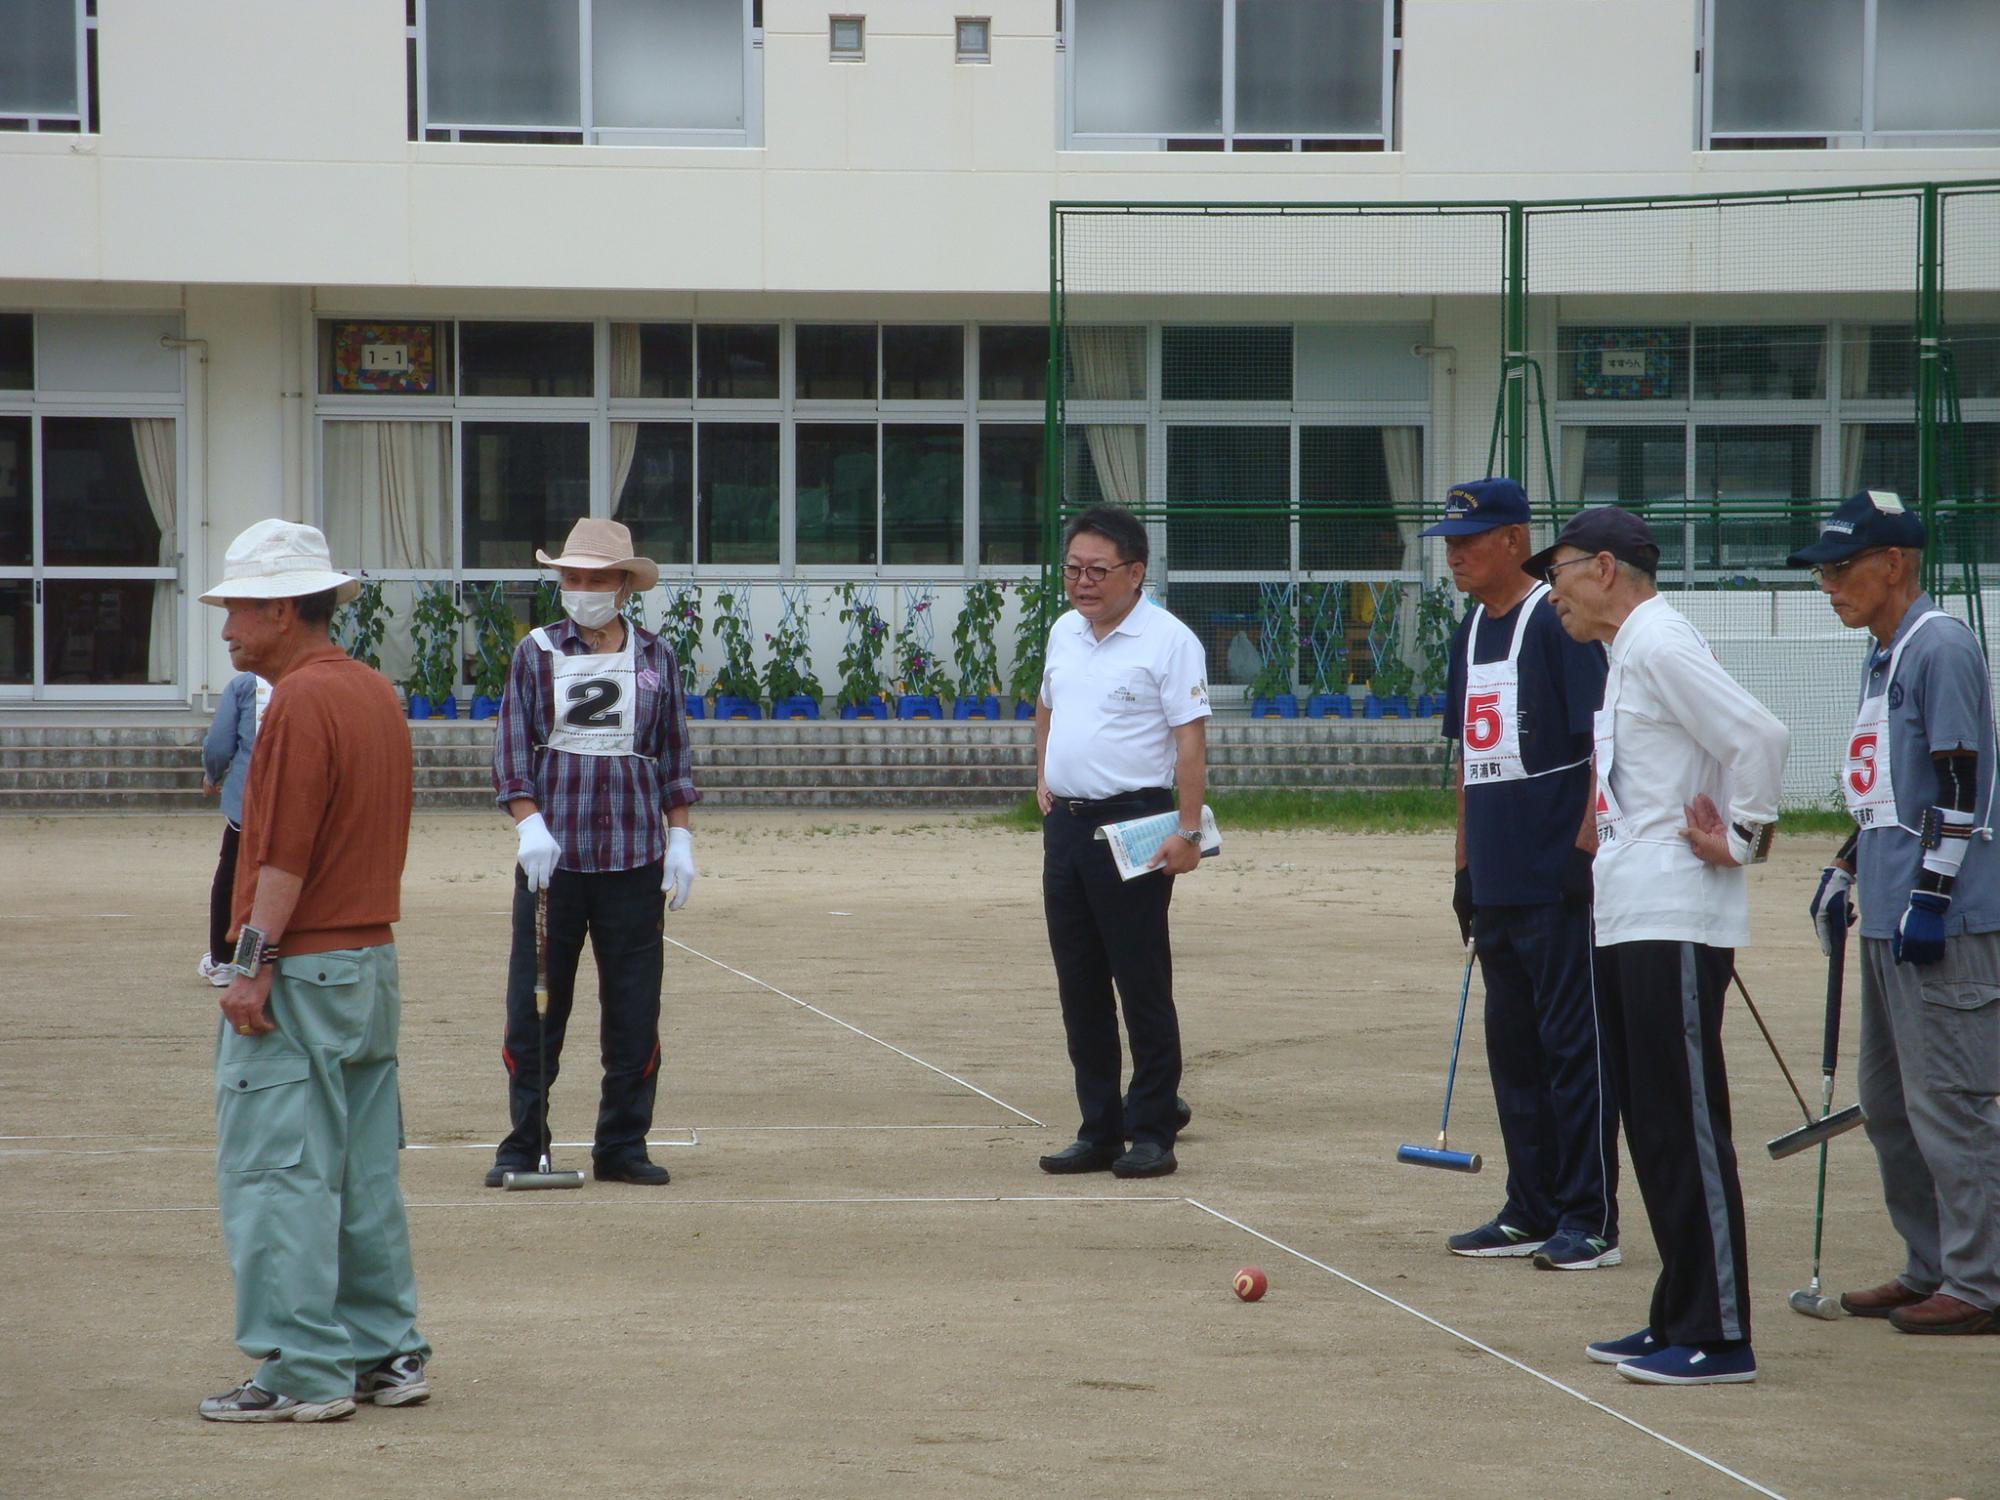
{"x": 1094, "y": 573}
{"x": 1834, "y": 571}
{"x": 1554, "y": 568}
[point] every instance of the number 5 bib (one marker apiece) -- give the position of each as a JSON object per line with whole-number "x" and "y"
{"x": 1491, "y": 733}
{"x": 596, "y": 700}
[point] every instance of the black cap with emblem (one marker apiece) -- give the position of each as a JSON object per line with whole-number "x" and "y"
{"x": 1860, "y": 523}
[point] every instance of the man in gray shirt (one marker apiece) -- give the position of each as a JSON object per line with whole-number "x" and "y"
{"x": 1918, "y": 777}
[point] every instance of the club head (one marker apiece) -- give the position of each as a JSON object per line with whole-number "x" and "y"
{"x": 1431, "y": 1156}
{"x": 523, "y": 1182}
{"x": 1820, "y": 1131}
{"x": 1815, "y": 1305}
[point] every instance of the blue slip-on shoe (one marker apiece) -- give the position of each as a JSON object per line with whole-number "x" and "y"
{"x": 1573, "y": 1250}
{"x": 1685, "y": 1364}
{"x": 1494, "y": 1238}
{"x": 1617, "y": 1351}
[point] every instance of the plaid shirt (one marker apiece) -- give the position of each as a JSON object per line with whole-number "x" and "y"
{"x": 604, "y": 810}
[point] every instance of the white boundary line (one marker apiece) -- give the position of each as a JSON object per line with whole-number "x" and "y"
{"x": 849, "y": 1025}
{"x": 1506, "y": 1359}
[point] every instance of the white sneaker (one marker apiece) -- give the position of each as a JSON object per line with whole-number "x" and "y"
{"x": 216, "y": 974}
{"x": 394, "y": 1382}
{"x": 250, "y": 1402}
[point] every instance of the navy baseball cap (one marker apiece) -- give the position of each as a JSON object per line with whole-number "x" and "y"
{"x": 1603, "y": 529}
{"x": 1481, "y": 505}
{"x": 1873, "y": 518}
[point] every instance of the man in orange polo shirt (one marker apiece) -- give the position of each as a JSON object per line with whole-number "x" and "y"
{"x": 307, "y": 1118}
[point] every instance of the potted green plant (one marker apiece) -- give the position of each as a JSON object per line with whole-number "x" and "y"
{"x": 978, "y": 653}
{"x": 682, "y": 629}
{"x": 736, "y": 684}
{"x": 1389, "y": 684}
{"x": 492, "y": 619}
{"x": 360, "y": 624}
{"x": 434, "y": 638}
{"x": 788, "y": 676}
{"x": 861, "y": 659}
{"x": 1437, "y": 621}
{"x": 1042, "y": 600}
{"x": 1323, "y": 635}
{"x": 920, "y": 676}
{"x": 1271, "y": 695}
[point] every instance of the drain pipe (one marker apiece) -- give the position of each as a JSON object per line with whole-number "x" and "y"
{"x": 200, "y": 346}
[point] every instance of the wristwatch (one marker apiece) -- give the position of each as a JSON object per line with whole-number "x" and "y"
{"x": 253, "y": 951}
{"x": 1192, "y": 835}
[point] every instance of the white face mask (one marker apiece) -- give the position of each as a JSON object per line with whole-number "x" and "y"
{"x": 591, "y": 611}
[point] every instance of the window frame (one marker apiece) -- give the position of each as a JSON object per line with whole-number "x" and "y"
{"x": 84, "y": 119}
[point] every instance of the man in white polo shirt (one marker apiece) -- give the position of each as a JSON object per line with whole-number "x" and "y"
{"x": 1677, "y": 740}
{"x": 1120, "y": 728}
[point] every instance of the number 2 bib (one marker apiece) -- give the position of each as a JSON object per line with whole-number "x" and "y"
{"x": 1491, "y": 733}
{"x": 596, "y": 700}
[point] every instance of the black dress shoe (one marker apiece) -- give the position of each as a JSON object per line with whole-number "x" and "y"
{"x": 1080, "y": 1156}
{"x": 636, "y": 1170}
{"x": 1144, "y": 1160}
{"x": 1183, "y": 1114}
{"x": 496, "y": 1175}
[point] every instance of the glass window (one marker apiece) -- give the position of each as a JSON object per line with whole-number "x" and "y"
{"x": 737, "y": 361}
{"x": 922, "y": 363}
{"x": 923, "y": 494}
{"x": 1787, "y": 67}
{"x": 1628, "y": 466}
{"x": 388, "y": 494}
{"x": 736, "y": 492}
{"x": 1756, "y": 463}
{"x": 1104, "y": 364}
{"x": 17, "y": 492}
{"x": 667, "y": 67}
{"x": 503, "y": 62}
{"x": 17, "y": 631}
{"x": 1210, "y": 467}
{"x": 654, "y": 361}
{"x": 1010, "y": 491}
{"x": 523, "y": 485}
{"x": 110, "y": 352}
{"x": 101, "y": 631}
{"x": 385, "y": 359}
{"x": 1104, "y": 465}
{"x": 1368, "y": 471}
{"x": 99, "y": 507}
{"x": 1764, "y": 363}
{"x": 1309, "y": 66}
{"x": 836, "y": 361}
{"x": 652, "y": 484}
{"x": 1975, "y": 359}
{"x": 1934, "y": 65}
{"x": 38, "y": 63}
{"x": 1147, "y": 67}
{"x": 1226, "y": 362}
{"x": 975, "y": 39}
{"x": 1879, "y": 456}
{"x": 845, "y": 36}
{"x": 1362, "y": 362}
{"x": 1013, "y": 363}
{"x": 17, "y": 351}
{"x": 525, "y": 359}
{"x": 1878, "y": 361}
{"x": 1622, "y": 364}
{"x": 836, "y": 492}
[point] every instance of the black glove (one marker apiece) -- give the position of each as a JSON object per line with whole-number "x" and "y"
{"x": 1578, "y": 887}
{"x": 1461, "y": 902}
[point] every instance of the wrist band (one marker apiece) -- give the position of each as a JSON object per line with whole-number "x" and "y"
{"x": 1944, "y": 833}
{"x": 1750, "y": 843}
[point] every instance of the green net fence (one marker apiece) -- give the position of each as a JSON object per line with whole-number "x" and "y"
{"x": 1286, "y": 393}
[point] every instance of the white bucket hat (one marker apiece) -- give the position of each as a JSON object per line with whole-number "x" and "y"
{"x": 603, "y": 544}
{"x": 280, "y": 560}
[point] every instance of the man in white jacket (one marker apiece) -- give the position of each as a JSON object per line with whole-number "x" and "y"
{"x": 1689, "y": 767}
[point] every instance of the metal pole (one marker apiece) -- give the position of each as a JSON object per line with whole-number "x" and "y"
{"x": 1516, "y": 343}
{"x": 1928, "y": 333}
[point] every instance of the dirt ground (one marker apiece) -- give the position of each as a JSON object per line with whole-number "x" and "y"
{"x": 858, "y": 1283}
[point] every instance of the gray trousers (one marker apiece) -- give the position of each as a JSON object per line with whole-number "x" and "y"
{"x": 1930, "y": 1068}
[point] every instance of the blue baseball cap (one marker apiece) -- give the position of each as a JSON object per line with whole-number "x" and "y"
{"x": 1481, "y": 505}
{"x": 1873, "y": 518}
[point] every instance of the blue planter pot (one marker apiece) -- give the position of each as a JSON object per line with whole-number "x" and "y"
{"x": 987, "y": 707}
{"x": 798, "y": 706}
{"x": 1327, "y": 706}
{"x": 874, "y": 708}
{"x": 420, "y": 706}
{"x": 1284, "y": 706}
{"x": 1023, "y": 709}
{"x": 918, "y": 706}
{"x": 484, "y": 707}
{"x": 697, "y": 708}
{"x": 1396, "y": 707}
{"x": 728, "y": 706}
{"x": 445, "y": 708}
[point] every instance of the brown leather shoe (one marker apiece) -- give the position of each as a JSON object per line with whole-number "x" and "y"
{"x": 1942, "y": 1313}
{"x": 1880, "y": 1301}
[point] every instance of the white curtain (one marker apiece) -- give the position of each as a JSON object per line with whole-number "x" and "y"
{"x": 1118, "y": 454}
{"x": 1403, "y": 457}
{"x": 153, "y": 442}
{"x": 1575, "y": 450}
{"x": 1853, "y": 445}
{"x": 1855, "y": 349}
{"x": 624, "y": 448}
{"x": 1106, "y": 364}
{"x": 387, "y": 485}
{"x": 625, "y": 381}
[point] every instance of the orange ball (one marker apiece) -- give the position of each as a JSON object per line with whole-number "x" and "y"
{"x": 1251, "y": 1284}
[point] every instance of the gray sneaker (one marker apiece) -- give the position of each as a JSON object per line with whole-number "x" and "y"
{"x": 250, "y": 1402}
{"x": 394, "y": 1382}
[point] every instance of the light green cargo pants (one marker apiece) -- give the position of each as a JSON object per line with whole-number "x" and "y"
{"x": 308, "y": 1124}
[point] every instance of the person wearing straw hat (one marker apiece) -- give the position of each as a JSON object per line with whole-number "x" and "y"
{"x": 307, "y": 1116}
{"x": 1918, "y": 777}
{"x": 591, "y": 762}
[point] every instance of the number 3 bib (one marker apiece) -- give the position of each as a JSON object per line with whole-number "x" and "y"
{"x": 1491, "y": 733}
{"x": 596, "y": 700}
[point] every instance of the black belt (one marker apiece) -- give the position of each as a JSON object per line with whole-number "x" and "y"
{"x": 1084, "y": 807}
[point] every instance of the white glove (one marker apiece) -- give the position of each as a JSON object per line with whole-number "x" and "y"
{"x": 679, "y": 872}
{"x": 539, "y": 851}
